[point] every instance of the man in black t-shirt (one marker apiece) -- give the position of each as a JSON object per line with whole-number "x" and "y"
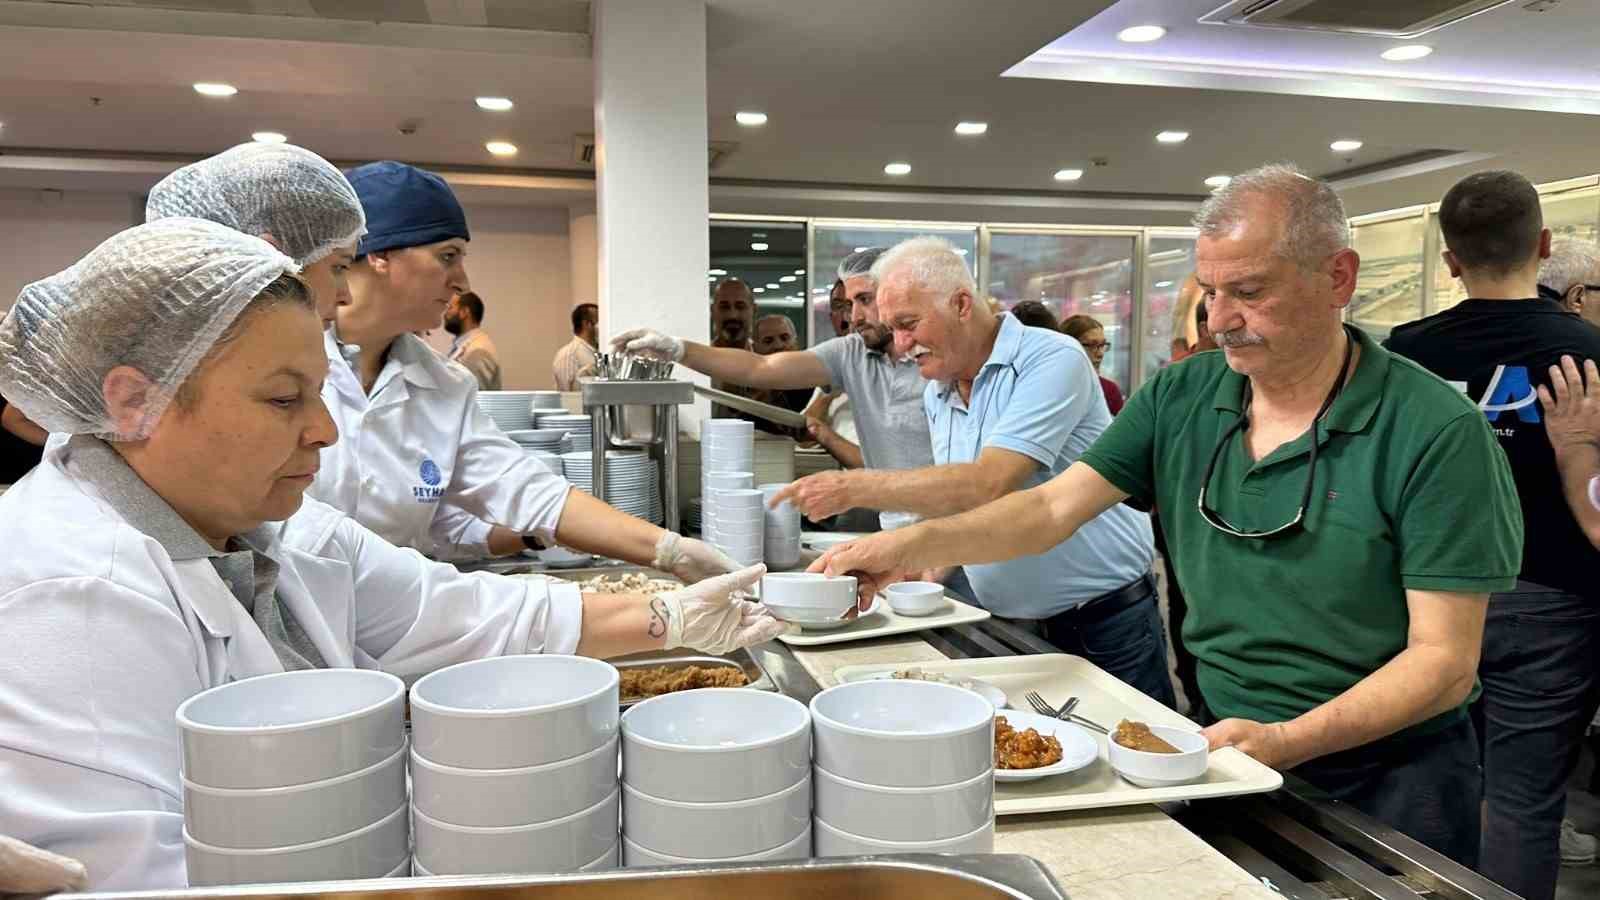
{"x": 1540, "y": 644}
{"x": 21, "y": 443}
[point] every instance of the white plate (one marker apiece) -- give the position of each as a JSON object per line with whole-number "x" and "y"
{"x": 877, "y": 606}
{"x": 557, "y": 558}
{"x": 996, "y": 697}
{"x": 1078, "y": 746}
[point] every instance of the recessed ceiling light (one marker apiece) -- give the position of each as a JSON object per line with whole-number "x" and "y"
{"x": 799, "y": 271}
{"x": 897, "y": 168}
{"x": 711, "y": 278}
{"x": 495, "y": 104}
{"x": 788, "y": 278}
{"x": 971, "y": 128}
{"x": 772, "y": 286}
{"x": 1407, "y": 52}
{"x": 1218, "y": 181}
{"x": 1068, "y": 174}
{"x": 1172, "y": 137}
{"x": 758, "y": 290}
{"x": 751, "y": 119}
{"x": 1163, "y": 284}
{"x": 719, "y": 271}
{"x": 1141, "y": 34}
{"x": 758, "y": 246}
{"x": 819, "y": 290}
{"x": 269, "y": 137}
{"x": 215, "y": 89}
{"x": 501, "y": 148}
{"x": 1345, "y": 146}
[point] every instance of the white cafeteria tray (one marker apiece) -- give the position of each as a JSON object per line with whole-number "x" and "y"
{"x": 886, "y": 622}
{"x": 1106, "y": 701}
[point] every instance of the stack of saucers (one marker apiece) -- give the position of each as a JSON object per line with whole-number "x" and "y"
{"x": 508, "y": 409}
{"x": 782, "y": 535}
{"x": 299, "y": 776}
{"x": 718, "y": 774}
{"x": 546, "y": 440}
{"x": 739, "y": 524}
{"x": 633, "y": 483}
{"x": 903, "y": 767}
{"x": 514, "y": 766}
{"x": 579, "y": 430}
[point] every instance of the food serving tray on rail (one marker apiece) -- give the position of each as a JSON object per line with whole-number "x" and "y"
{"x": 884, "y": 621}
{"x": 739, "y": 659}
{"x": 1104, "y": 700}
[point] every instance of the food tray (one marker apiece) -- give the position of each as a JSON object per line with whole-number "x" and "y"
{"x": 1104, "y": 700}
{"x": 886, "y": 622}
{"x": 759, "y": 680}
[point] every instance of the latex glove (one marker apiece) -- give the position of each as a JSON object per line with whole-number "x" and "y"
{"x": 646, "y": 342}
{"x": 709, "y": 617}
{"x": 25, "y": 869}
{"x": 690, "y": 560}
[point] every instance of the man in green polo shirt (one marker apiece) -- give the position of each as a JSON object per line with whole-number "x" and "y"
{"x": 1337, "y": 517}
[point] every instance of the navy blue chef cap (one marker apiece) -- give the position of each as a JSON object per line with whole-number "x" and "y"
{"x": 405, "y": 207}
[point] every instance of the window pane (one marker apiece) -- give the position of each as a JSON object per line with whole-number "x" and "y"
{"x": 1574, "y": 214}
{"x": 835, "y": 242}
{"x": 1071, "y": 275}
{"x": 1389, "y": 286}
{"x": 1170, "y": 263}
{"x": 733, "y": 257}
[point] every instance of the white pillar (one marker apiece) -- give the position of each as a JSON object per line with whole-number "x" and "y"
{"x": 650, "y": 170}
{"x": 581, "y": 237}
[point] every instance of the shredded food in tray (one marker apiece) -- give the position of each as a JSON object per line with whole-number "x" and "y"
{"x": 1028, "y": 749}
{"x": 631, "y": 583}
{"x": 657, "y": 680}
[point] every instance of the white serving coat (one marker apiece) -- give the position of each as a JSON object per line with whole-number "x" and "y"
{"x": 103, "y": 634}
{"x": 419, "y": 439}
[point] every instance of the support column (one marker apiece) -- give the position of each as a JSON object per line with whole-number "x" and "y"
{"x": 651, "y": 170}
{"x": 581, "y": 237}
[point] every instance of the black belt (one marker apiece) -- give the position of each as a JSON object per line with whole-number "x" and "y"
{"x": 1108, "y": 604}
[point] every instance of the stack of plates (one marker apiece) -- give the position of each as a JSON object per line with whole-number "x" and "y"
{"x": 633, "y": 482}
{"x": 903, "y": 767}
{"x": 579, "y": 429}
{"x": 514, "y": 766}
{"x": 299, "y": 776}
{"x": 544, "y": 401}
{"x": 782, "y": 536}
{"x": 547, "y": 440}
{"x": 718, "y": 774}
{"x": 508, "y": 409}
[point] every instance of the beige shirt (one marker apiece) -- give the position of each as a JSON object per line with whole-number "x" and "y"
{"x": 576, "y": 358}
{"x": 475, "y": 351}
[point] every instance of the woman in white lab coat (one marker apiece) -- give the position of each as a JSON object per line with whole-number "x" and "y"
{"x": 417, "y": 450}
{"x": 145, "y": 559}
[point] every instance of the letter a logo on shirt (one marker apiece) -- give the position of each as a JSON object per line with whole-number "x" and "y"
{"x": 1510, "y": 391}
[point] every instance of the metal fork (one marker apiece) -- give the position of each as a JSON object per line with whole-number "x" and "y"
{"x": 1065, "y": 713}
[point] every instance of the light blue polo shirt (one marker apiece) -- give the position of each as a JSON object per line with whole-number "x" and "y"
{"x": 1038, "y": 395}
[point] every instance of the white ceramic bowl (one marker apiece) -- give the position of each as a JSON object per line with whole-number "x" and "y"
{"x": 729, "y": 480}
{"x": 805, "y": 615}
{"x": 904, "y": 814}
{"x": 292, "y": 728}
{"x": 255, "y": 818}
{"x": 704, "y": 830}
{"x": 829, "y": 592}
{"x": 1162, "y": 769}
{"x": 611, "y": 859}
{"x": 736, "y": 499}
{"x": 510, "y": 712}
{"x": 499, "y": 797}
{"x": 916, "y": 598}
{"x": 903, "y": 733}
{"x": 831, "y": 841}
{"x": 716, "y": 744}
{"x": 560, "y": 845}
{"x": 637, "y": 857}
{"x": 371, "y": 852}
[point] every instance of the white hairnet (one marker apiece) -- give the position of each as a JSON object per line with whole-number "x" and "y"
{"x": 155, "y": 297}
{"x": 303, "y": 201}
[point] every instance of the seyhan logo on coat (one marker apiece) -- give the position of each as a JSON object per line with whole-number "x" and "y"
{"x": 1509, "y": 390}
{"x": 429, "y": 490}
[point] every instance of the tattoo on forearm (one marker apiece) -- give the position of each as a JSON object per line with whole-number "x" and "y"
{"x": 658, "y": 619}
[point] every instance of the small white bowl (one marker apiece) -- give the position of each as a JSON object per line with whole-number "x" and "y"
{"x": 259, "y": 818}
{"x": 371, "y": 852}
{"x": 560, "y": 845}
{"x": 503, "y": 797}
{"x": 738, "y": 498}
{"x": 291, "y": 728}
{"x": 716, "y": 744}
{"x": 511, "y": 712}
{"x": 704, "y": 830}
{"x": 903, "y": 733}
{"x": 905, "y": 814}
{"x": 916, "y": 598}
{"x": 1162, "y": 769}
{"x": 611, "y": 859}
{"x": 637, "y": 857}
{"x": 831, "y": 841}
{"x": 830, "y": 592}
{"x": 805, "y": 615}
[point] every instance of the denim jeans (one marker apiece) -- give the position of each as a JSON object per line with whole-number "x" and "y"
{"x": 1128, "y": 642}
{"x": 1538, "y": 672}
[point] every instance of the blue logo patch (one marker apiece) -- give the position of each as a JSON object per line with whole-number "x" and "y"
{"x": 430, "y": 473}
{"x": 1511, "y": 391}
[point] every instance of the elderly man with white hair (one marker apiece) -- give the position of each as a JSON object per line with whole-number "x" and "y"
{"x": 1571, "y": 276}
{"x": 1008, "y": 408}
{"x": 1338, "y": 518}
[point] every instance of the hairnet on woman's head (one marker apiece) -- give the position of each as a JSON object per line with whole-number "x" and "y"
{"x": 155, "y": 298}
{"x": 298, "y": 198}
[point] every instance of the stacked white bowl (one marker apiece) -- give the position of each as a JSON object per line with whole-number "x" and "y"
{"x": 514, "y": 766}
{"x": 509, "y": 409}
{"x": 903, "y": 767}
{"x": 782, "y": 533}
{"x": 298, "y": 776}
{"x": 739, "y": 524}
{"x": 710, "y": 484}
{"x": 718, "y": 774}
{"x": 579, "y": 429}
{"x": 538, "y": 440}
{"x": 726, "y": 445}
{"x": 633, "y": 481}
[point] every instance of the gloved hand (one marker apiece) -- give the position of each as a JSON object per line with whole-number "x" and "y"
{"x": 690, "y": 560}
{"x": 646, "y": 342}
{"x": 708, "y": 617}
{"x": 25, "y": 869}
